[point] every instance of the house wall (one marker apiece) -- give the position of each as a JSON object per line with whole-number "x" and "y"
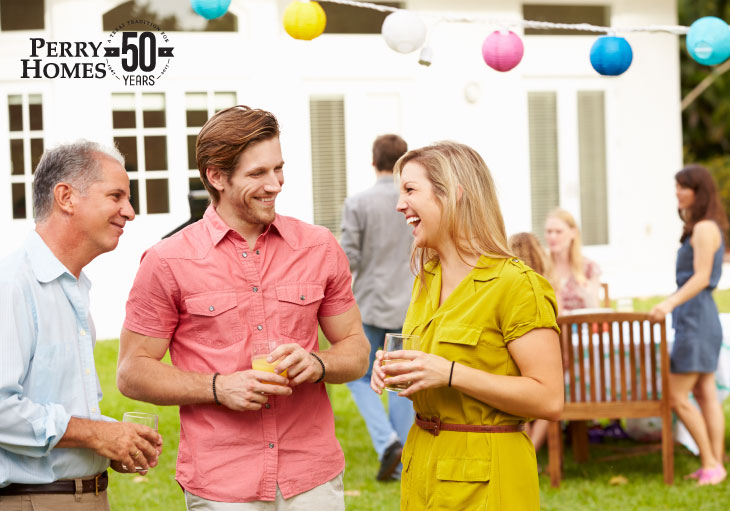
{"x": 386, "y": 91}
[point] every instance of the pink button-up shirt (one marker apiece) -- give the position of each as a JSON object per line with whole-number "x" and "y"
{"x": 211, "y": 294}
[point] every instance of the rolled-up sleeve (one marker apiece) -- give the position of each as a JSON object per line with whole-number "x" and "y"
{"x": 26, "y": 428}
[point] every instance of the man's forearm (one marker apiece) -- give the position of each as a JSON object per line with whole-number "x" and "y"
{"x": 149, "y": 380}
{"x": 346, "y": 360}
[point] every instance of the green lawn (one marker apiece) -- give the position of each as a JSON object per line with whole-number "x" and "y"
{"x": 585, "y": 486}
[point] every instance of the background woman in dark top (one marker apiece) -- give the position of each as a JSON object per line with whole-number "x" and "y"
{"x": 698, "y": 334}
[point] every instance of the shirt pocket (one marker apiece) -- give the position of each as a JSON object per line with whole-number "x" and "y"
{"x": 456, "y": 341}
{"x": 214, "y": 318}
{"x": 461, "y": 483}
{"x": 298, "y": 306}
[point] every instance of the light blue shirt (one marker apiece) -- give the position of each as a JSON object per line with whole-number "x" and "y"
{"x": 47, "y": 371}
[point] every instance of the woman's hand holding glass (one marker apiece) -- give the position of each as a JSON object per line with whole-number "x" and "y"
{"x": 416, "y": 369}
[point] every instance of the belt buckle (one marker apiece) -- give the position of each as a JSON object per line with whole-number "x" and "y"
{"x": 96, "y": 483}
{"x": 436, "y": 429}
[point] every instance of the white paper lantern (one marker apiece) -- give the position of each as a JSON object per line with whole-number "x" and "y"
{"x": 404, "y": 31}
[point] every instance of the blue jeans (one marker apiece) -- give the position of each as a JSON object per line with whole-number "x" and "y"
{"x": 384, "y": 429}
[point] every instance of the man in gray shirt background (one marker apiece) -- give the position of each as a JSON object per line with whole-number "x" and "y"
{"x": 377, "y": 242}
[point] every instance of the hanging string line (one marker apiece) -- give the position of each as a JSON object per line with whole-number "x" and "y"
{"x": 538, "y": 25}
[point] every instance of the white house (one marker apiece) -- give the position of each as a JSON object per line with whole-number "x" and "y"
{"x": 552, "y": 130}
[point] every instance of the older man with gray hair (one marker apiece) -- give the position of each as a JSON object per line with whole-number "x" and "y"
{"x": 55, "y": 446}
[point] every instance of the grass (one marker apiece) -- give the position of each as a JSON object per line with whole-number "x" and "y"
{"x": 586, "y": 486}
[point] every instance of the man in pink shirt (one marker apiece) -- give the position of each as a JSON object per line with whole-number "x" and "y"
{"x": 249, "y": 439}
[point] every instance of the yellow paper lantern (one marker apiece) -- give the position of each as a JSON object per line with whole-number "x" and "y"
{"x": 304, "y": 20}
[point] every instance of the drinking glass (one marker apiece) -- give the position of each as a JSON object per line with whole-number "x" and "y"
{"x": 147, "y": 419}
{"x": 397, "y": 342}
{"x": 261, "y": 350}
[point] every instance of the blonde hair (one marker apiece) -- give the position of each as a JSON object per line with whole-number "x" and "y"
{"x": 527, "y": 247}
{"x": 575, "y": 253}
{"x": 473, "y": 221}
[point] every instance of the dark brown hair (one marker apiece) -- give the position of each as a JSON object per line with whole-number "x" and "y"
{"x": 707, "y": 204}
{"x": 386, "y": 151}
{"x": 226, "y": 135}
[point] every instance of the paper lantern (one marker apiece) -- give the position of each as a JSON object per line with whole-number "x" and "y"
{"x": 502, "y": 50}
{"x": 611, "y": 55}
{"x": 404, "y": 31}
{"x": 210, "y": 9}
{"x": 708, "y": 41}
{"x": 304, "y": 20}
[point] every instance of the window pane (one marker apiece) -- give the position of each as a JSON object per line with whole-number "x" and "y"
{"x": 35, "y": 111}
{"x": 36, "y": 151}
{"x": 123, "y": 111}
{"x": 134, "y": 195}
{"x": 593, "y": 14}
{"x": 195, "y": 184}
{"x": 17, "y": 159}
{"x": 21, "y": 15}
{"x": 329, "y": 162}
{"x": 15, "y": 112}
{"x": 155, "y": 153}
{"x": 192, "y": 162}
{"x": 346, "y": 19}
{"x": 196, "y": 108}
{"x": 157, "y": 196}
{"x": 153, "y": 110}
{"x": 543, "y": 133}
{"x": 170, "y": 16}
{"x": 128, "y": 147}
{"x": 223, "y": 100}
{"x": 18, "y": 191}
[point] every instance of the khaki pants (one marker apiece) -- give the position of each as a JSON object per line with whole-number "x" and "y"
{"x": 55, "y": 502}
{"x": 329, "y": 496}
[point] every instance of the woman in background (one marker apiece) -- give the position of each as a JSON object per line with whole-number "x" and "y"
{"x": 490, "y": 355}
{"x": 698, "y": 334}
{"x": 575, "y": 277}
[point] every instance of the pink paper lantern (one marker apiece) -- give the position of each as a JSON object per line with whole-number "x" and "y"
{"x": 502, "y": 50}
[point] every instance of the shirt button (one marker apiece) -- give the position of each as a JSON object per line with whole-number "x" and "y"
{"x": 267, "y": 405}
{"x": 302, "y": 297}
{"x": 211, "y": 308}
{"x": 259, "y": 327}
{"x": 88, "y": 371}
{"x": 271, "y": 446}
{"x": 258, "y": 252}
{"x": 82, "y": 332}
{"x": 93, "y": 410}
{"x": 255, "y": 289}
{"x": 244, "y": 255}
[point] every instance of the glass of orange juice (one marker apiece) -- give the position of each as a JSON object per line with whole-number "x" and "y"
{"x": 261, "y": 350}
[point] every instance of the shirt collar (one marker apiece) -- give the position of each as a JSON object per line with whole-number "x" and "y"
{"x": 45, "y": 265}
{"x": 487, "y": 268}
{"x": 218, "y": 228}
{"x": 385, "y": 180}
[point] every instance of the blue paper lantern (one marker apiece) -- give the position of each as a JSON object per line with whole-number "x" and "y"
{"x": 708, "y": 41}
{"x": 210, "y": 9}
{"x": 611, "y": 55}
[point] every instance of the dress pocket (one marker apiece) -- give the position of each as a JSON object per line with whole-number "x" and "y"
{"x": 214, "y": 316}
{"x": 298, "y": 306}
{"x": 461, "y": 483}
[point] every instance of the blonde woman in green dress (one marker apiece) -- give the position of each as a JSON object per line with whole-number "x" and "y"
{"x": 490, "y": 357}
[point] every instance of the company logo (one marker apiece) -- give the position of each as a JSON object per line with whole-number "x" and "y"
{"x": 136, "y": 57}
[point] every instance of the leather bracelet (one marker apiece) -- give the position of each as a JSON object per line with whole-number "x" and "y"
{"x": 215, "y": 395}
{"x": 451, "y": 373}
{"x": 320, "y": 363}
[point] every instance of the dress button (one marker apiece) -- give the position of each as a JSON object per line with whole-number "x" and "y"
{"x": 255, "y": 289}
{"x": 259, "y": 327}
{"x": 271, "y": 446}
{"x": 211, "y": 308}
{"x": 302, "y": 297}
{"x": 244, "y": 255}
{"x": 267, "y": 405}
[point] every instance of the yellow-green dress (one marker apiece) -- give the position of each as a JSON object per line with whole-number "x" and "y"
{"x": 499, "y": 301}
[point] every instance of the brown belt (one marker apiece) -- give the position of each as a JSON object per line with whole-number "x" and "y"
{"x": 435, "y": 426}
{"x": 97, "y": 485}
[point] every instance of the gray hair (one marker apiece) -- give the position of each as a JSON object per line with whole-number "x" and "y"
{"x": 77, "y": 163}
